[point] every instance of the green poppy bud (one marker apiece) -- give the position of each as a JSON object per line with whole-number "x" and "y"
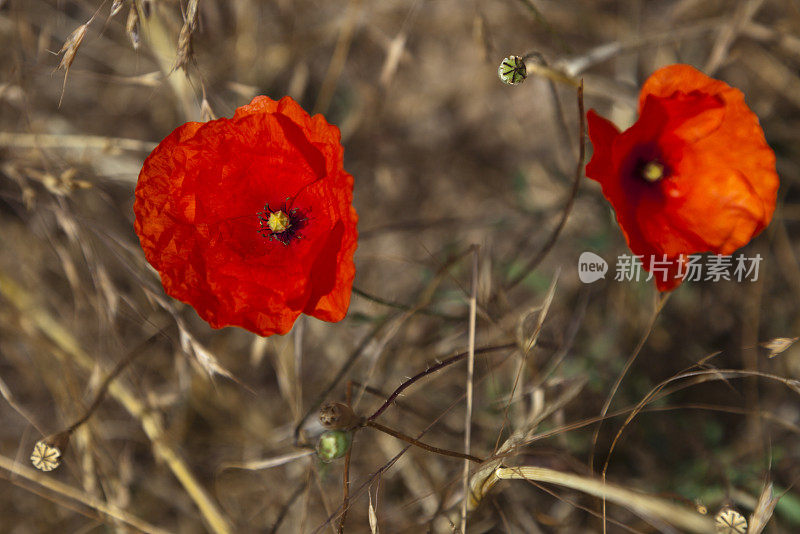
{"x": 334, "y": 444}
{"x": 512, "y": 70}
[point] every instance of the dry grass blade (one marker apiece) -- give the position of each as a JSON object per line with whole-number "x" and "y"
{"x": 268, "y": 463}
{"x": 778, "y": 345}
{"x": 685, "y": 518}
{"x": 745, "y": 11}
{"x": 205, "y": 110}
{"x": 132, "y": 26}
{"x": 6, "y": 393}
{"x": 473, "y": 305}
{"x": 62, "y": 490}
{"x": 116, "y": 7}
{"x": 206, "y": 360}
{"x": 73, "y": 142}
{"x": 339, "y": 57}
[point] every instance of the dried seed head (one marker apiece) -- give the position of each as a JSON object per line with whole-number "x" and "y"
{"x": 185, "y": 38}
{"x": 71, "y": 46}
{"x": 132, "y": 26}
{"x": 206, "y": 111}
{"x": 729, "y": 521}
{"x": 47, "y": 452}
{"x": 116, "y": 7}
{"x": 45, "y": 457}
{"x": 338, "y": 416}
{"x": 778, "y": 345}
{"x": 69, "y": 50}
{"x": 334, "y": 444}
{"x": 191, "y": 14}
{"x": 512, "y": 70}
{"x": 184, "y": 47}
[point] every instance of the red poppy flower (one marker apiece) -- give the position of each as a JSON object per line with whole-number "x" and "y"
{"x": 250, "y": 219}
{"x": 694, "y": 174}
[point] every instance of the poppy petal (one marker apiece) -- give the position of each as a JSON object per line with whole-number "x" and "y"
{"x": 602, "y": 133}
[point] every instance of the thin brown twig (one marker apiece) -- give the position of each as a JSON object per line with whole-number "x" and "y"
{"x": 537, "y": 15}
{"x": 551, "y": 241}
{"x": 339, "y": 57}
{"x": 418, "y": 412}
{"x": 432, "y": 369}
{"x": 113, "y": 374}
{"x": 404, "y": 307}
{"x": 346, "y": 471}
{"x": 289, "y": 502}
{"x": 430, "y": 448}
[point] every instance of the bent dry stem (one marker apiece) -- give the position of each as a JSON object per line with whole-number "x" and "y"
{"x": 421, "y": 445}
{"x": 432, "y": 369}
{"x": 647, "y": 506}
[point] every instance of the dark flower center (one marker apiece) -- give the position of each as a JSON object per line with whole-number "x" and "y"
{"x": 283, "y": 224}
{"x": 646, "y": 164}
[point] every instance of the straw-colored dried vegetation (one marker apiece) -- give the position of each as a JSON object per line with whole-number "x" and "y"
{"x": 677, "y": 405}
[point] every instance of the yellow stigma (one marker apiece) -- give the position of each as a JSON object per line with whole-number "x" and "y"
{"x": 653, "y": 171}
{"x": 278, "y": 222}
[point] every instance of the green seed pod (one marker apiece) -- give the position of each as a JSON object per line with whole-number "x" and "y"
{"x": 512, "y": 70}
{"x": 334, "y": 444}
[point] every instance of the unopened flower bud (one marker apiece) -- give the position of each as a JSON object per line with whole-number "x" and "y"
{"x": 512, "y": 70}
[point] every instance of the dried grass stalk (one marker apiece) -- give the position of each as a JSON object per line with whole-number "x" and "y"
{"x": 132, "y": 26}
{"x": 69, "y": 50}
{"x": 687, "y": 519}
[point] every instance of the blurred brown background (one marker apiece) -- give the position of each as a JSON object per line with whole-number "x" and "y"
{"x": 444, "y": 156}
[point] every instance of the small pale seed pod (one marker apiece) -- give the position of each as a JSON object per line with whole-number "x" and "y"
{"x": 45, "y": 457}
{"x": 338, "y": 416}
{"x": 47, "y": 452}
{"x": 729, "y": 521}
{"x": 334, "y": 444}
{"x": 512, "y": 70}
